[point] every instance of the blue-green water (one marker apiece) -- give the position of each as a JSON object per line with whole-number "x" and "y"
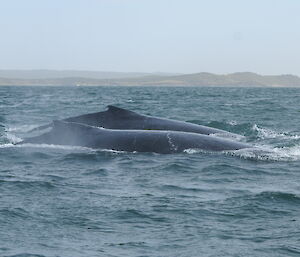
{"x": 72, "y": 201}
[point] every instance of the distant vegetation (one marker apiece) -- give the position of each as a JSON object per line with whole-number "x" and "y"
{"x": 93, "y": 78}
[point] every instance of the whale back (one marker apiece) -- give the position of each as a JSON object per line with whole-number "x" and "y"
{"x": 119, "y": 118}
{"x": 65, "y": 133}
{"x": 75, "y": 134}
{"x": 113, "y": 117}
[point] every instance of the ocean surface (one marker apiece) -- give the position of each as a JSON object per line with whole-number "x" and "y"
{"x": 74, "y": 201}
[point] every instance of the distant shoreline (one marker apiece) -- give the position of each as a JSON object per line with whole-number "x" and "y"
{"x": 203, "y": 79}
{"x": 154, "y": 86}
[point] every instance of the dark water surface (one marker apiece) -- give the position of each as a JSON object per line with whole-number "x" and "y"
{"x": 73, "y": 201}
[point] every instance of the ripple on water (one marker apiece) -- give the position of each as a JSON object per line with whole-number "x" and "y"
{"x": 25, "y": 255}
{"x": 75, "y": 201}
{"x": 255, "y": 206}
{"x": 27, "y": 185}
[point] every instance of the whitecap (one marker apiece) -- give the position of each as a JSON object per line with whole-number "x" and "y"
{"x": 61, "y": 147}
{"x": 21, "y": 128}
{"x": 52, "y": 146}
{"x": 12, "y": 138}
{"x": 265, "y": 133}
{"x": 200, "y": 151}
{"x": 232, "y": 123}
{"x": 267, "y": 153}
{"x": 228, "y": 136}
{"x": 7, "y": 145}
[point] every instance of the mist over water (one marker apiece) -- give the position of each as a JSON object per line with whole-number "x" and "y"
{"x": 76, "y": 201}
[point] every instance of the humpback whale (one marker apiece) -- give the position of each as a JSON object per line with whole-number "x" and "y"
{"x": 119, "y": 118}
{"x": 157, "y": 141}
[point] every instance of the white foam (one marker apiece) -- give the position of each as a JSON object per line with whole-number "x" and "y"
{"x": 232, "y": 123}
{"x": 267, "y": 153}
{"x": 228, "y": 136}
{"x": 112, "y": 151}
{"x": 7, "y": 145}
{"x": 261, "y": 153}
{"x": 289, "y": 153}
{"x": 191, "y": 151}
{"x": 12, "y": 138}
{"x": 197, "y": 151}
{"x": 264, "y": 133}
{"x": 22, "y": 128}
{"x": 52, "y": 146}
{"x": 60, "y": 147}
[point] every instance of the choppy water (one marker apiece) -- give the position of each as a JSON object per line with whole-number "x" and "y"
{"x": 72, "y": 201}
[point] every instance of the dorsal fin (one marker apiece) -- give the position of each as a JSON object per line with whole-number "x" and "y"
{"x": 120, "y": 111}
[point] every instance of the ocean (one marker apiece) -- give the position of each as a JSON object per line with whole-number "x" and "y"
{"x": 75, "y": 201}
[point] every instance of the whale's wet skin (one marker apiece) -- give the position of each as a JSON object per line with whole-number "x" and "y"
{"x": 119, "y": 118}
{"x": 133, "y": 132}
{"x": 59, "y": 199}
{"x": 157, "y": 141}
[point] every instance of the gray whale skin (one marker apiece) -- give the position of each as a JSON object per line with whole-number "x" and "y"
{"x": 119, "y": 118}
{"x": 157, "y": 141}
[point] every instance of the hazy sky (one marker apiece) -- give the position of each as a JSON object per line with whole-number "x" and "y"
{"x": 218, "y": 36}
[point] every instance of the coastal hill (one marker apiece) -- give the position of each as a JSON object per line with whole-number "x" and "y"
{"x": 58, "y": 74}
{"x": 93, "y": 78}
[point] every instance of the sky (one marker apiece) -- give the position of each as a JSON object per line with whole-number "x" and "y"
{"x": 181, "y": 36}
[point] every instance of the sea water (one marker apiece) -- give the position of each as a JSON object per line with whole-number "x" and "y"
{"x": 75, "y": 201}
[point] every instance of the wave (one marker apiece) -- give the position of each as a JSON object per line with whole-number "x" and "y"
{"x": 278, "y": 196}
{"x": 268, "y": 201}
{"x": 178, "y": 188}
{"x": 230, "y": 136}
{"x": 268, "y": 153}
{"x": 26, "y": 255}
{"x": 231, "y": 126}
{"x": 134, "y": 216}
{"x": 258, "y": 153}
{"x": 250, "y": 131}
{"x": 14, "y": 213}
{"x": 264, "y": 202}
{"x": 287, "y": 146}
{"x": 264, "y": 151}
{"x": 61, "y": 147}
{"x": 28, "y": 184}
{"x": 7, "y": 145}
{"x": 200, "y": 151}
{"x": 12, "y": 138}
{"x": 21, "y": 128}
{"x": 265, "y": 133}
